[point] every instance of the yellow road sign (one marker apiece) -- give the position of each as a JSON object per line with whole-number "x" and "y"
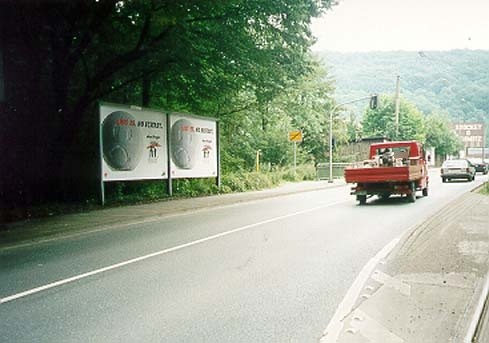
{"x": 295, "y": 136}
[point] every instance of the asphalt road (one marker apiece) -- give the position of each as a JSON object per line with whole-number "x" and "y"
{"x": 272, "y": 270}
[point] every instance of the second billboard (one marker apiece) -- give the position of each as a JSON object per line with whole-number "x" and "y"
{"x": 193, "y": 146}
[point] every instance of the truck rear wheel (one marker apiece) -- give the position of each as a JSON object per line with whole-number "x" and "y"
{"x": 412, "y": 195}
{"x": 362, "y": 199}
{"x": 425, "y": 191}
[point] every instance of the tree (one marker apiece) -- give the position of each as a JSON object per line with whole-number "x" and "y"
{"x": 441, "y": 136}
{"x": 307, "y": 104}
{"x": 61, "y": 57}
{"x": 446, "y": 82}
{"x": 381, "y": 121}
{"x": 302, "y": 105}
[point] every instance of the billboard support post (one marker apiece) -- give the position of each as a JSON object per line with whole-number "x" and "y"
{"x": 295, "y": 158}
{"x": 101, "y": 149}
{"x": 295, "y": 136}
{"x": 218, "y": 148}
{"x": 102, "y": 192}
{"x": 168, "y": 152}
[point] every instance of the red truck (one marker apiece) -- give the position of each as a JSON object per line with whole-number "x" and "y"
{"x": 392, "y": 168}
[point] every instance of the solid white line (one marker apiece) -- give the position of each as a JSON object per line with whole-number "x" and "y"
{"x": 158, "y": 253}
{"x": 335, "y": 325}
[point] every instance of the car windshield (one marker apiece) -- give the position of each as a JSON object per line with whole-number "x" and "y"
{"x": 455, "y": 164}
{"x": 475, "y": 160}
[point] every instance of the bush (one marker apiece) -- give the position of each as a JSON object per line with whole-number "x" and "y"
{"x": 250, "y": 181}
{"x": 485, "y": 188}
{"x": 133, "y": 192}
{"x": 194, "y": 187}
{"x": 302, "y": 173}
{"x": 152, "y": 190}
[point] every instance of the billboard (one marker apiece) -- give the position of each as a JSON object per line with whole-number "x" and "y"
{"x": 193, "y": 146}
{"x": 472, "y": 134}
{"x": 133, "y": 143}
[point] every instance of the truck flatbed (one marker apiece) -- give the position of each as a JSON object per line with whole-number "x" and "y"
{"x": 393, "y": 168}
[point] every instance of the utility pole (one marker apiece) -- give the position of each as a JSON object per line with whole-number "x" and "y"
{"x": 396, "y": 113}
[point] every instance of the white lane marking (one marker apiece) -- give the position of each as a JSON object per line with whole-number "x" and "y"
{"x": 154, "y": 218}
{"x": 335, "y": 325}
{"x": 161, "y": 252}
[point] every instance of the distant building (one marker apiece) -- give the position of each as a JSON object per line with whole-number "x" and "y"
{"x": 359, "y": 150}
{"x": 478, "y": 152}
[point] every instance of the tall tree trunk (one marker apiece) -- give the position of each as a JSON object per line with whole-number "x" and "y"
{"x": 146, "y": 90}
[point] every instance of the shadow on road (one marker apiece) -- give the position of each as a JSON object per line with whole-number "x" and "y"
{"x": 390, "y": 202}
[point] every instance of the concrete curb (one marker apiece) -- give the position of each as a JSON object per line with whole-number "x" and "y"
{"x": 428, "y": 288}
{"x": 477, "y": 322}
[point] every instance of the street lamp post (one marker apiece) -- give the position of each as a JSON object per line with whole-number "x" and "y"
{"x": 331, "y": 142}
{"x": 373, "y": 104}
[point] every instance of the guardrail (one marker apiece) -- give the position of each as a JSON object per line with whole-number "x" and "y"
{"x": 322, "y": 170}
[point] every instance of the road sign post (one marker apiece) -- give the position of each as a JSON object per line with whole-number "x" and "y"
{"x": 295, "y": 136}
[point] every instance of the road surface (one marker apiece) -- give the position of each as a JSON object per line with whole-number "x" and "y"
{"x": 272, "y": 270}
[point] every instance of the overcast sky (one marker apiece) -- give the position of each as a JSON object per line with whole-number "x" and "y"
{"x": 413, "y": 25}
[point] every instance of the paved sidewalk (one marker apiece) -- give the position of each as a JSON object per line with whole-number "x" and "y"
{"x": 45, "y": 229}
{"x": 431, "y": 287}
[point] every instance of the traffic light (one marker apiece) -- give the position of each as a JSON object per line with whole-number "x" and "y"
{"x": 373, "y": 102}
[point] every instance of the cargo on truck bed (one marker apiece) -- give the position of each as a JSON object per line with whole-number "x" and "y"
{"x": 392, "y": 168}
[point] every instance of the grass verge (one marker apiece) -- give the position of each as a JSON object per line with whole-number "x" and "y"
{"x": 140, "y": 192}
{"x": 485, "y": 189}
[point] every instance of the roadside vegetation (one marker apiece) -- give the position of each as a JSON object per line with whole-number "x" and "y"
{"x": 261, "y": 81}
{"x": 140, "y": 192}
{"x": 485, "y": 189}
{"x": 453, "y": 83}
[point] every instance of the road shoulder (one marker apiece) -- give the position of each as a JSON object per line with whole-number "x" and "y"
{"x": 41, "y": 230}
{"x": 430, "y": 287}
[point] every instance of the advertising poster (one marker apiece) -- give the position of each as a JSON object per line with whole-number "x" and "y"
{"x": 133, "y": 143}
{"x": 193, "y": 146}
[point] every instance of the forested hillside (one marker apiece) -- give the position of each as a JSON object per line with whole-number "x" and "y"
{"x": 452, "y": 82}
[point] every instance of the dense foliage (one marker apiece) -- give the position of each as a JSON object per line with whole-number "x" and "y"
{"x": 434, "y": 130}
{"x": 381, "y": 122}
{"x": 451, "y": 82}
{"x": 246, "y": 62}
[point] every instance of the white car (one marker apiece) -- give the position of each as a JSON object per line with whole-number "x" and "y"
{"x": 457, "y": 169}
